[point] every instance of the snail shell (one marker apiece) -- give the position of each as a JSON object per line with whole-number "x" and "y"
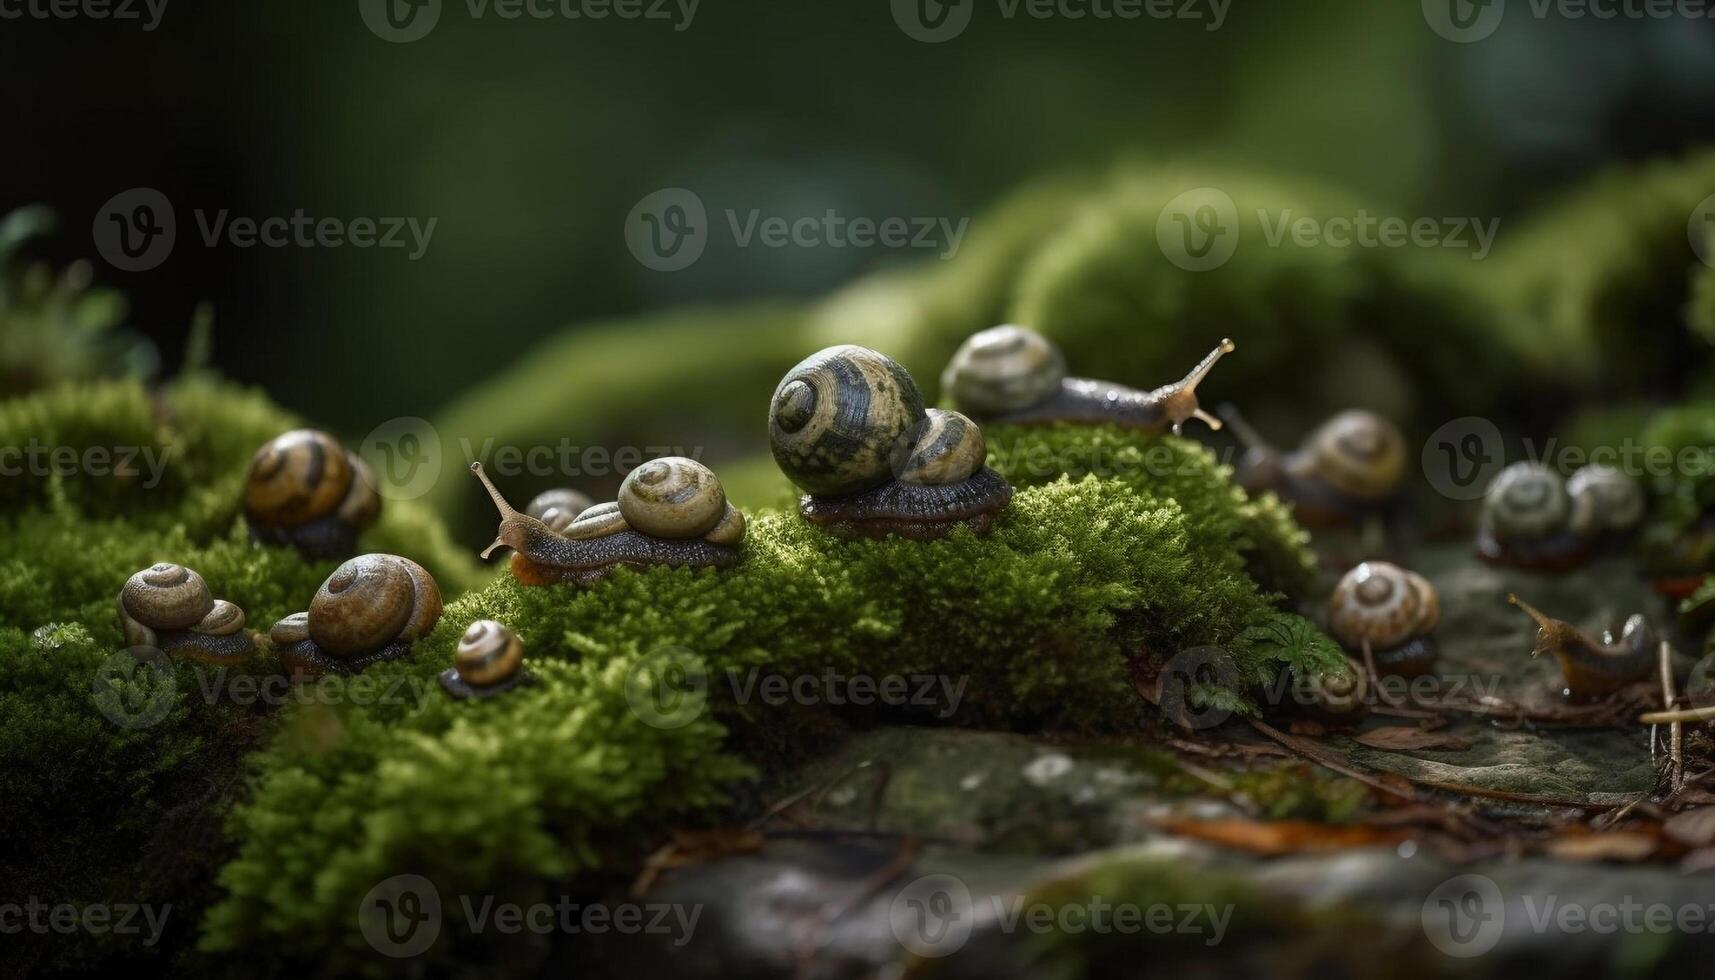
{"x": 1357, "y": 453}
{"x": 597, "y": 522}
{"x": 570, "y": 503}
{"x": 488, "y": 653}
{"x": 166, "y": 596}
{"x": 1526, "y": 501}
{"x": 1382, "y": 603}
{"x": 944, "y": 448}
{"x": 296, "y": 478}
{"x": 1604, "y": 499}
{"x": 1003, "y": 369}
{"x": 291, "y": 630}
{"x": 225, "y": 619}
{"x": 835, "y": 418}
{"x": 672, "y": 497}
{"x": 372, "y": 601}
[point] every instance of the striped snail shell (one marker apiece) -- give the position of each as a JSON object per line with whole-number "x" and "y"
{"x": 1380, "y": 602}
{"x": 372, "y": 601}
{"x": 1003, "y": 369}
{"x": 944, "y": 448}
{"x": 672, "y": 497}
{"x": 166, "y": 596}
{"x": 1604, "y": 499}
{"x": 488, "y": 653}
{"x": 1356, "y": 452}
{"x": 557, "y": 508}
{"x": 835, "y": 418}
{"x": 1526, "y": 501}
{"x": 293, "y": 629}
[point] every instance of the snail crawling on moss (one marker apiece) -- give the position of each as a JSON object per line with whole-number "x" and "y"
{"x": 489, "y": 661}
{"x": 1351, "y": 467}
{"x": 169, "y": 607}
{"x": 1594, "y": 669}
{"x": 559, "y": 507}
{"x": 368, "y": 611}
{"x": 670, "y": 511}
{"x": 848, "y": 426}
{"x": 1010, "y": 374}
{"x": 306, "y": 491}
{"x": 1388, "y": 614}
{"x": 1532, "y": 519}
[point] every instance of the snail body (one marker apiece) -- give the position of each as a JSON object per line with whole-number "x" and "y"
{"x": 306, "y": 491}
{"x": 368, "y": 611}
{"x": 670, "y": 511}
{"x": 1532, "y": 519}
{"x": 489, "y": 661}
{"x": 849, "y": 427}
{"x": 1389, "y": 613}
{"x": 1594, "y": 669}
{"x": 169, "y": 607}
{"x": 1352, "y": 466}
{"x": 1014, "y": 375}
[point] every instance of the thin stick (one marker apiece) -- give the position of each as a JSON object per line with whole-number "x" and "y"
{"x": 1706, "y": 713}
{"x": 1325, "y": 760}
{"x": 1676, "y": 736}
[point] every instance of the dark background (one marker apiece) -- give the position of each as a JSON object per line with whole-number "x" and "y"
{"x": 530, "y": 141}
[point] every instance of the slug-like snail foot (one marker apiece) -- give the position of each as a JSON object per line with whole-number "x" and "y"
{"x": 909, "y": 510}
{"x": 588, "y": 562}
{"x": 306, "y": 661}
{"x": 216, "y": 651}
{"x": 1557, "y": 553}
{"x": 1413, "y": 658}
{"x": 326, "y": 537}
{"x": 463, "y": 690}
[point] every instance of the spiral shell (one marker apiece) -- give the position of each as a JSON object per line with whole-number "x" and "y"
{"x": 1604, "y": 499}
{"x": 296, "y": 478}
{"x": 1357, "y": 453}
{"x": 488, "y": 653}
{"x": 944, "y": 448}
{"x": 166, "y": 596}
{"x": 372, "y": 601}
{"x": 597, "y": 522}
{"x": 672, "y": 497}
{"x": 835, "y": 417}
{"x": 1003, "y": 369}
{"x": 293, "y": 629}
{"x": 568, "y": 502}
{"x": 1526, "y": 501}
{"x": 224, "y": 619}
{"x": 1382, "y": 603}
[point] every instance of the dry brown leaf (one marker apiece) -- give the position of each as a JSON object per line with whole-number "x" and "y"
{"x": 1283, "y": 836}
{"x": 1618, "y": 845}
{"x": 1693, "y": 828}
{"x": 1400, "y": 738}
{"x": 1308, "y": 727}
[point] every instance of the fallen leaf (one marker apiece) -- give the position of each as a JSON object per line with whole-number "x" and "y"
{"x": 1283, "y": 836}
{"x": 1308, "y": 727}
{"x": 1618, "y": 845}
{"x": 1693, "y": 828}
{"x": 1401, "y": 738}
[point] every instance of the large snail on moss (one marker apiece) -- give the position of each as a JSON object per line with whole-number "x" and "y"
{"x": 306, "y": 491}
{"x": 1532, "y": 519}
{"x": 368, "y": 611}
{"x": 1388, "y": 614}
{"x": 1352, "y": 466}
{"x": 670, "y": 511}
{"x": 169, "y": 607}
{"x": 1010, "y": 374}
{"x": 489, "y": 661}
{"x": 848, "y": 426}
{"x": 1593, "y": 668}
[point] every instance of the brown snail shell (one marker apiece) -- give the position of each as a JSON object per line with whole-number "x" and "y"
{"x": 488, "y": 653}
{"x": 166, "y": 596}
{"x": 1358, "y": 453}
{"x": 836, "y": 416}
{"x": 372, "y": 601}
{"x": 225, "y": 619}
{"x": 1003, "y": 369}
{"x": 297, "y": 477}
{"x": 672, "y": 497}
{"x": 944, "y": 448}
{"x": 568, "y": 502}
{"x": 1604, "y": 500}
{"x": 1383, "y": 604}
{"x": 292, "y": 630}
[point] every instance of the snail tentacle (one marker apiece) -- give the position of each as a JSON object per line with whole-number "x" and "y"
{"x": 1592, "y": 668}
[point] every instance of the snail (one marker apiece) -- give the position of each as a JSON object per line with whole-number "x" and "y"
{"x": 1526, "y": 521}
{"x": 1338, "y": 695}
{"x": 1387, "y": 614}
{"x": 169, "y": 607}
{"x": 1015, "y": 375}
{"x": 848, "y": 426}
{"x": 1593, "y": 669}
{"x": 489, "y": 661}
{"x": 1353, "y": 465}
{"x": 1606, "y": 504}
{"x": 670, "y": 511}
{"x": 306, "y": 491}
{"x": 559, "y": 507}
{"x": 368, "y": 611}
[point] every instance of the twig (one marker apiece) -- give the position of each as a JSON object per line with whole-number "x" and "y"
{"x": 832, "y": 912}
{"x": 1676, "y": 739}
{"x": 1706, "y": 713}
{"x": 1511, "y": 797}
{"x": 1315, "y": 754}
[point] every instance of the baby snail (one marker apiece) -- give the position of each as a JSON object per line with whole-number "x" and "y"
{"x": 558, "y": 508}
{"x": 1593, "y": 669}
{"x": 368, "y": 611}
{"x": 1533, "y": 520}
{"x": 1387, "y": 614}
{"x": 1338, "y": 695}
{"x": 306, "y": 491}
{"x": 1015, "y": 375}
{"x": 670, "y": 511}
{"x": 489, "y": 661}
{"x": 848, "y": 426}
{"x": 169, "y": 607}
{"x": 1352, "y": 466}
